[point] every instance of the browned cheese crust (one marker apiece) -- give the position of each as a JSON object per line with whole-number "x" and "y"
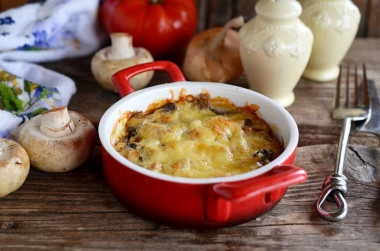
{"x": 197, "y": 138}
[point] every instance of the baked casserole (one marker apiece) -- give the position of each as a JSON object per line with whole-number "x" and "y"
{"x": 196, "y": 137}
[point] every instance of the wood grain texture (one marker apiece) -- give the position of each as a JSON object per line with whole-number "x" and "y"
{"x": 311, "y": 109}
{"x": 201, "y": 7}
{"x": 218, "y": 12}
{"x": 6, "y": 4}
{"x": 245, "y": 8}
{"x": 373, "y": 20}
{"x": 214, "y": 13}
{"x": 364, "y": 11}
{"x": 77, "y": 211}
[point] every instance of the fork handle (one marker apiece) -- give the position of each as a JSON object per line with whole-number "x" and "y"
{"x": 342, "y": 146}
{"x": 335, "y": 185}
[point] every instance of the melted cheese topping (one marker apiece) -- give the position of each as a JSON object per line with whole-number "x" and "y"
{"x": 187, "y": 138}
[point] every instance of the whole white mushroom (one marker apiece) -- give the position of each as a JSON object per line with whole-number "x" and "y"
{"x": 120, "y": 55}
{"x": 14, "y": 166}
{"x": 58, "y": 140}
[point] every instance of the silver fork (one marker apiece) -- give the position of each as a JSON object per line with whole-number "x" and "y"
{"x": 335, "y": 185}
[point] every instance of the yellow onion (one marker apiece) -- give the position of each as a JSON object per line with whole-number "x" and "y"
{"x": 213, "y": 55}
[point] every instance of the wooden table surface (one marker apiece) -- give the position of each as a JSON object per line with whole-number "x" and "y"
{"x": 76, "y": 210}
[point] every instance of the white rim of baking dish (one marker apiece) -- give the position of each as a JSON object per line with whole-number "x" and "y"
{"x": 109, "y": 118}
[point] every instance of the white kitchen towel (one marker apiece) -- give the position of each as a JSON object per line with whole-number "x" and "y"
{"x": 39, "y": 32}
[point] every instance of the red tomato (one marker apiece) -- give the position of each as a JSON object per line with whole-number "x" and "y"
{"x": 163, "y": 27}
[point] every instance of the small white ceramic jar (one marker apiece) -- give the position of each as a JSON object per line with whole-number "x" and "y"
{"x": 275, "y": 47}
{"x": 334, "y": 24}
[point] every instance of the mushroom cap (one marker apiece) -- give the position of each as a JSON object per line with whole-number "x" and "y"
{"x": 58, "y": 154}
{"x": 103, "y": 68}
{"x": 14, "y": 166}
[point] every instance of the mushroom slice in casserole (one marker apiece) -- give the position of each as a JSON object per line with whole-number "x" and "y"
{"x": 197, "y": 138}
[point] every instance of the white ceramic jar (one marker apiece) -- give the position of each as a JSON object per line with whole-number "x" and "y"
{"x": 334, "y": 24}
{"x": 275, "y": 47}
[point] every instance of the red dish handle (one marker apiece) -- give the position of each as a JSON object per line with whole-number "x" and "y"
{"x": 219, "y": 197}
{"x": 121, "y": 79}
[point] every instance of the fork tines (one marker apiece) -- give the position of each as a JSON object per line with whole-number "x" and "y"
{"x": 360, "y": 99}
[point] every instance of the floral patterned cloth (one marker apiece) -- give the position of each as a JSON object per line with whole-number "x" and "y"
{"x": 26, "y": 98}
{"x": 21, "y": 98}
{"x": 50, "y": 30}
{"x": 39, "y": 32}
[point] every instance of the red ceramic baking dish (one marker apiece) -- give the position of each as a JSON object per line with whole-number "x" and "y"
{"x": 197, "y": 202}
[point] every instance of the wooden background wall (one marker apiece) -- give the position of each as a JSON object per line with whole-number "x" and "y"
{"x": 216, "y": 13}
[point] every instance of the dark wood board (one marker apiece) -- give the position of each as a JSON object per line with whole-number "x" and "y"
{"x": 77, "y": 211}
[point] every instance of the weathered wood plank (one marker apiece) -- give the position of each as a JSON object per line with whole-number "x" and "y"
{"x": 6, "y": 4}
{"x": 214, "y": 13}
{"x": 218, "y": 12}
{"x": 363, "y": 25}
{"x": 201, "y": 7}
{"x": 245, "y": 8}
{"x": 315, "y": 135}
{"x": 373, "y": 21}
{"x": 311, "y": 110}
{"x": 76, "y": 210}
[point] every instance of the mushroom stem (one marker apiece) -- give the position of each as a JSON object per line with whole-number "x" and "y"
{"x": 57, "y": 123}
{"x": 122, "y": 46}
{"x": 233, "y": 23}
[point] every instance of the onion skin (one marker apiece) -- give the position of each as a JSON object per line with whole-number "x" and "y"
{"x": 213, "y": 56}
